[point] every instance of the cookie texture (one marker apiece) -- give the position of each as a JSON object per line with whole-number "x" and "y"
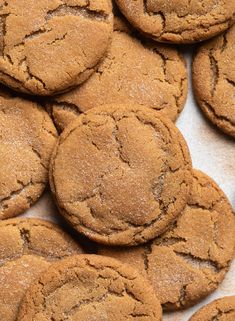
{"x": 27, "y": 248}
{"x": 134, "y": 71}
{"x": 214, "y": 80}
{"x": 220, "y": 310}
{"x": 27, "y": 138}
{"x": 52, "y": 46}
{"x": 95, "y": 288}
{"x": 121, "y": 174}
{"x": 190, "y": 260}
{"x": 179, "y": 21}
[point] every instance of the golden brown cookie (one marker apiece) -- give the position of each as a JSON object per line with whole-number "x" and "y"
{"x": 190, "y": 260}
{"x": 90, "y": 287}
{"x": 219, "y": 310}
{"x": 214, "y": 80}
{"x": 134, "y": 71}
{"x": 27, "y": 247}
{"x": 27, "y": 137}
{"x": 179, "y": 21}
{"x": 47, "y": 47}
{"x": 120, "y": 174}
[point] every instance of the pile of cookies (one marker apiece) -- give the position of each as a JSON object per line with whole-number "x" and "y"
{"x": 90, "y": 91}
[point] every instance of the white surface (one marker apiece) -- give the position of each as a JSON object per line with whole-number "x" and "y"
{"x": 213, "y": 153}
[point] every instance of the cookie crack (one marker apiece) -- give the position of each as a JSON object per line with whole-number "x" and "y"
{"x": 160, "y": 14}
{"x": 225, "y": 42}
{"x": 3, "y": 18}
{"x": 181, "y": 94}
{"x": 214, "y": 72}
{"x": 88, "y": 263}
{"x": 12, "y": 80}
{"x": 197, "y": 262}
{"x": 58, "y": 39}
{"x": 34, "y": 34}
{"x": 18, "y": 192}
{"x": 212, "y": 112}
{"x": 25, "y": 236}
{"x": 82, "y": 11}
{"x": 230, "y": 81}
{"x": 30, "y": 75}
{"x": 120, "y": 147}
{"x": 39, "y": 157}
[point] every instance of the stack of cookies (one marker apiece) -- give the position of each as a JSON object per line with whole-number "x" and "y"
{"x": 90, "y": 91}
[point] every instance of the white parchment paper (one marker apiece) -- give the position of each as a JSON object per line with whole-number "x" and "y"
{"x": 213, "y": 153}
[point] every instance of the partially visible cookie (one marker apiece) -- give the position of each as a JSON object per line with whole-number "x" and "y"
{"x": 90, "y": 287}
{"x": 48, "y": 47}
{"x": 120, "y": 174}
{"x": 181, "y": 21}
{"x": 27, "y": 138}
{"x": 214, "y": 80}
{"x": 190, "y": 260}
{"x": 27, "y": 248}
{"x": 134, "y": 71}
{"x": 219, "y": 310}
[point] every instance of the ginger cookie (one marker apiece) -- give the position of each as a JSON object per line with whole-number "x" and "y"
{"x": 134, "y": 71}
{"x": 120, "y": 174}
{"x": 90, "y": 287}
{"x": 219, "y": 310}
{"x": 214, "y": 80}
{"x": 47, "y": 47}
{"x": 27, "y": 138}
{"x": 190, "y": 260}
{"x": 184, "y": 21}
{"x": 27, "y": 248}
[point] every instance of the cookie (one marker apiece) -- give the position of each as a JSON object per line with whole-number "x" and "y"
{"x": 179, "y": 21}
{"x": 190, "y": 260}
{"x": 90, "y": 287}
{"x": 27, "y": 248}
{"x": 219, "y": 310}
{"x": 134, "y": 71}
{"x": 214, "y": 80}
{"x": 27, "y": 138}
{"x": 47, "y": 47}
{"x": 120, "y": 174}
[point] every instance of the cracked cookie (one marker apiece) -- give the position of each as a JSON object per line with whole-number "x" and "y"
{"x": 214, "y": 80}
{"x": 179, "y": 21}
{"x": 27, "y": 138}
{"x": 120, "y": 174}
{"x": 90, "y": 287}
{"x": 134, "y": 71}
{"x": 27, "y": 247}
{"x": 190, "y": 260}
{"x": 48, "y": 47}
{"x": 219, "y": 310}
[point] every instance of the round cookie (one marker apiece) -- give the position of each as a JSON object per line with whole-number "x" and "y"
{"x": 219, "y": 310}
{"x": 120, "y": 174}
{"x": 27, "y": 138}
{"x": 190, "y": 260}
{"x": 95, "y": 288}
{"x": 134, "y": 71}
{"x": 214, "y": 80}
{"x": 52, "y": 46}
{"x": 179, "y": 21}
{"x": 27, "y": 248}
